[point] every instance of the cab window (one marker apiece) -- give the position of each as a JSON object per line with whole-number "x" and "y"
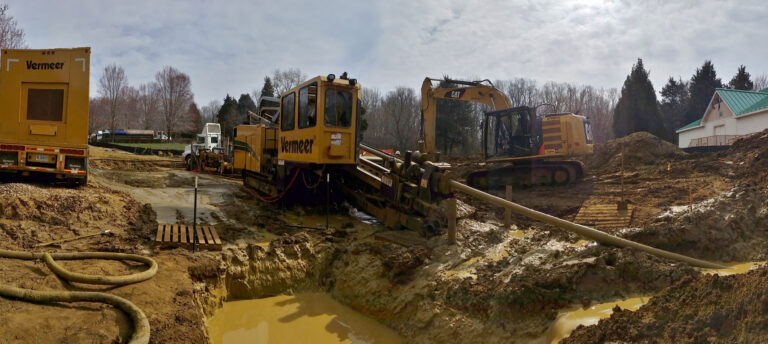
{"x": 308, "y": 106}
{"x": 45, "y": 104}
{"x": 338, "y": 108}
{"x": 287, "y": 111}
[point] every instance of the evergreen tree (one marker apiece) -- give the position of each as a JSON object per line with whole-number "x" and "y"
{"x": 196, "y": 117}
{"x": 244, "y": 104}
{"x": 455, "y": 125}
{"x": 741, "y": 80}
{"x": 227, "y": 115}
{"x": 701, "y": 88}
{"x": 637, "y": 109}
{"x": 267, "y": 90}
{"x": 674, "y": 100}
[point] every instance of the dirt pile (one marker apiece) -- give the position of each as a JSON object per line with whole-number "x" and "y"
{"x": 30, "y": 214}
{"x": 730, "y": 227}
{"x": 132, "y": 165}
{"x": 707, "y": 309}
{"x": 749, "y": 157}
{"x": 640, "y": 149}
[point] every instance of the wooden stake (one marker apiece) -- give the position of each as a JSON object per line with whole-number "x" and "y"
{"x": 451, "y": 214}
{"x": 507, "y": 211}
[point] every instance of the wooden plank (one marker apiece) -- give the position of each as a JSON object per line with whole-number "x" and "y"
{"x": 200, "y": 237}
{"x": 167, "y": 234}
{"x": 207, "y": 234}
{"x": 216, "y": 239}
{"x": 159, "y": 237}
{"x": 183, "y": 238}
{"x": 175, "y": 234}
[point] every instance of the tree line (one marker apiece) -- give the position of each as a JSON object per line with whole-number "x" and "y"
{"x": 394, "y": 118}
{"x": 682, "y": 101}
{"x": 166, "y": 103}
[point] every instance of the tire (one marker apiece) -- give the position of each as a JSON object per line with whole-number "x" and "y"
{"x": 188, "y": 162}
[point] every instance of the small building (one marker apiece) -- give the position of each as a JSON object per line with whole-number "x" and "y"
{"x": 730, "y": 115}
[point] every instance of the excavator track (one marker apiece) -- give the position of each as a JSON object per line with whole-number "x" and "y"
{"x": 528, "y": 173}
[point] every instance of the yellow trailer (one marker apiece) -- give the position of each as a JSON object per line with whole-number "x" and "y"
{"x": 44, "y": 100}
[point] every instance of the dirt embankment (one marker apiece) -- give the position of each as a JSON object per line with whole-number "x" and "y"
{"x": 706, "y": 309}
{"x": 33, "y": 214}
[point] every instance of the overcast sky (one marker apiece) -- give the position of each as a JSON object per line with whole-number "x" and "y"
{"x": 228, "y": 46}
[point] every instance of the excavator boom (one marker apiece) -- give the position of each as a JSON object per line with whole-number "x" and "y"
{"x": 474, "y": 91}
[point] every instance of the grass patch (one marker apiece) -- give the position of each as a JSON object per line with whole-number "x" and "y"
{"x": 160, "y": 146}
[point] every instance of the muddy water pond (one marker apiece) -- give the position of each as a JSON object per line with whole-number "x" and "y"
{"x": 302, "y": 318}
{"x": 567, "y": 320}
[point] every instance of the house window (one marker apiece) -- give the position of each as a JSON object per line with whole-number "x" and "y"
{"x": 721, "y": 114}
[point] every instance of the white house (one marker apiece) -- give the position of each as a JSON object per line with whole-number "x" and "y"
{"x": 730, "y": 114}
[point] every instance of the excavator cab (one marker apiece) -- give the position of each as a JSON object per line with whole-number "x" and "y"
{"x": 512, "y": 132}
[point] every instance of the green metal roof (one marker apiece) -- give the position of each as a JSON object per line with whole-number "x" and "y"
{"x": 690, "y": 125}
{"x": 740, "y": 102}
{"x": 743, "y": 102}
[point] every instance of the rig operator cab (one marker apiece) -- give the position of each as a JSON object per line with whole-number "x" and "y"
{"x": 44, "y": 104}
{"x": 315, "y": 132}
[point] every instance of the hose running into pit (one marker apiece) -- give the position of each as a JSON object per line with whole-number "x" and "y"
{"x": 141, "y": 328}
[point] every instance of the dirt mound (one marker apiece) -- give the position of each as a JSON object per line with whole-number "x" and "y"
{"x": 749, "y": 156}
{"x": 31, "y": 214}
{"x": 640, "y": 149}
{"x": 706, "y": 309}
{"x": 133, "y": 165}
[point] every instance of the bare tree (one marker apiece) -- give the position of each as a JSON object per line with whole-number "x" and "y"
{"x": 371, "y": 101}
{"x": 11, "y": 35}
{"x": 209, "y": 112}
{"x": 401, "y": 108}
{"x": 284, "y": 80}
{"x": 112, "y": 86}
{"x": 130, "y": 108}
{"x": 148, "y": 104}
{"x": 98, "y": 114}
{"x": 760, "y": 82}
{"x": 175, "y": 94}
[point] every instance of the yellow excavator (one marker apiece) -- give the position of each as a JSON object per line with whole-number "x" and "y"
{"x": 521, "y": 148}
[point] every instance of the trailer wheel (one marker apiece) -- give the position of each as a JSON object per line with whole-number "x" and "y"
{"x": 188, "y": 162}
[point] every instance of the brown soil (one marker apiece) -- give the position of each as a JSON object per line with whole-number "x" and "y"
{"x": 706, "y": 309}
{"x": 32, "y": 214}
{"x": 497, "y": 285}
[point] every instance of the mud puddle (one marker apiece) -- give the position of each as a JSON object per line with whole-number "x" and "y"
{"x": 302, "y": 318}
{"x": 567, "y": 320}
{"x": 171, "y": 193}
{"x": 733, "y": 268}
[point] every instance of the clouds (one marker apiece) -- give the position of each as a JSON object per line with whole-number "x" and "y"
{"x": 227, "y": 47}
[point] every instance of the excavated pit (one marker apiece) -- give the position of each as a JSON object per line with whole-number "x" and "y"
{"x": 497, "y": 285}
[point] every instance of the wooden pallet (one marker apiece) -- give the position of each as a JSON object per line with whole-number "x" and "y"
{"x": 180, "y": 235}
{"x": 605, "y": 216}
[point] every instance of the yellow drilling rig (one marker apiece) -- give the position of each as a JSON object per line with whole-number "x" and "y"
{"x": 312, "y": 144}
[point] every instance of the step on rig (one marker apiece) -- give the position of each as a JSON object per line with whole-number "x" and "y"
{"x": 310, "y": 149}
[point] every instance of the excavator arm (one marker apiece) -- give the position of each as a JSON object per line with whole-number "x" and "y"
{"x": 473, "y": 91}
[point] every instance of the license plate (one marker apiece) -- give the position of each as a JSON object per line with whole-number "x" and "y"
{"x": 43, "y": 158}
